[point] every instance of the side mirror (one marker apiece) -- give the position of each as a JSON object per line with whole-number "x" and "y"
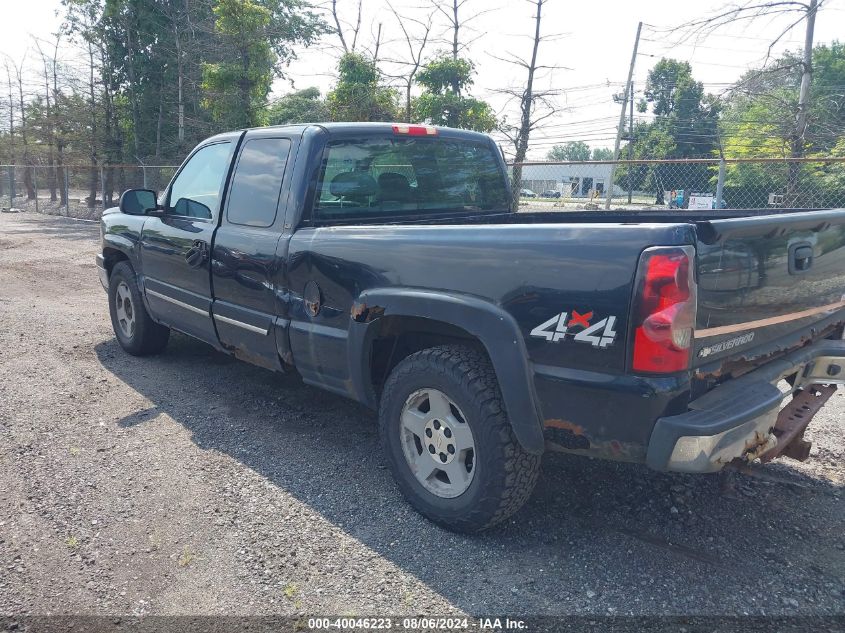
{"x": 138, "y": 201}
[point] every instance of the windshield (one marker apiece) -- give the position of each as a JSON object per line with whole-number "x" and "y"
{"x": 399, "y": 176}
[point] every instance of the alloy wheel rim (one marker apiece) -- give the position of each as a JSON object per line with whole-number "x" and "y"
{"x": 125, "y": 310}
{"x": 437, "y": 443}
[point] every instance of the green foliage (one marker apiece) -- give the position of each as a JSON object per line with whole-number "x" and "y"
{"x": 573, "y": 150}
{"x": 602, "y": 153}
{"x": 302, "y": 106}
{"x": 359, "y": 94}
{"x": 237, "y": 86}
{"x": 446, "y": 73}
{"x": 671, "y": 89}
{"x": 212, "y": 60}
{"x": 759, "y": 122}
{"x": 685, "y": 125}
{"x": 255, "y": 36}
{"x": 759, "y": 119}
{"x": 830, "y": 176}
{"x": 682, "y": 111}
{"x": 443, "y": 80}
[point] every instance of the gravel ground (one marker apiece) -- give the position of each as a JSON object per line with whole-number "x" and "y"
{"x": 191, "y": 483}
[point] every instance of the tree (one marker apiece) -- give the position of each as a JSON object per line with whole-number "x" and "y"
{"x": 338, "y": 30}
{"x": 238, "y": 84}
{"x": 256, "y": 39}
{"x": 27, "y": 156}
{"x": 681, "y": 109}
{"x": 359, "y": 94}
{"x": 759, "y": 115}
{"x": 416, "y": 48}
{"x": 443, "y": 104}
{"x": 11, "y": 144}
{"x": 752, "y": 10}
{"x": 571, "y": 151}
{"x": 758, "y": 121}
{"x": 685, "y": 125}
{"x": 650, "y": 141}
{"x": 302, "y": 106}
{"x": 602, "y": 153}
{"x": 457, "y": 24}
{"x": 535, "y": 105}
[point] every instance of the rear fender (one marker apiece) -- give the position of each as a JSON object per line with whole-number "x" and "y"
{"x": 494, "y": 328}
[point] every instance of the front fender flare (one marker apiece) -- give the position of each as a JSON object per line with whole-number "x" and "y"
{"x": 121, "y": 244}
{"x": 494, "y": 328}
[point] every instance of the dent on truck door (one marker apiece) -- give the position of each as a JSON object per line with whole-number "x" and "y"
{"x": 175, "y": 248}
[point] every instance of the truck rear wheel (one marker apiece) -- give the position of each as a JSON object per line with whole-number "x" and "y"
{"x": 448, "y": 440}
{"x": 134, "y": 328}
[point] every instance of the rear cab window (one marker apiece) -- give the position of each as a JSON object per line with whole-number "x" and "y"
{"x": 390, "y": 176}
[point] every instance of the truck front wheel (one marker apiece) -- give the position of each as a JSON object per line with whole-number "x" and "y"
{"x": 448, "y": 441}
{"x": 135, "y": 330}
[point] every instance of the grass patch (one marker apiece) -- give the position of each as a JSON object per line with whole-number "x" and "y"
{"x": 186, "y": 558}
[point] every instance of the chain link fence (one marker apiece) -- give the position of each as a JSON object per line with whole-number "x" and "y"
{"x": 77, "y": 191}
{"x": 811, "y": 183}
{"x": 83, "y": 191}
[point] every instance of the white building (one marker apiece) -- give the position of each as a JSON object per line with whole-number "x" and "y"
{"x": 572, "y": 180}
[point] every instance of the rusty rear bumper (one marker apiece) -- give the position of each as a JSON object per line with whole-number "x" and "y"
{"x": 742, "y": 417}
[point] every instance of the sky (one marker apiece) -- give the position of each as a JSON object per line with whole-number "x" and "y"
{"x": 589, "y": 45}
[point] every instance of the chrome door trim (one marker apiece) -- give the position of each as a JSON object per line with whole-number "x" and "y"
{"x": 176, "y": 302}
{"x": 241, "y": 324}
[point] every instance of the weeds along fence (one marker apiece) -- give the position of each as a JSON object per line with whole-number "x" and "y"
{"x": 78, "y": 191}
{"x": 83, "y": 191}
{"x": 807, "y": 183}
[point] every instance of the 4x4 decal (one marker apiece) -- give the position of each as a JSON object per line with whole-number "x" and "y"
{"x": 599, "y": 334}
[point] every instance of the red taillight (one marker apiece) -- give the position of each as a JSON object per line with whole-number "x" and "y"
{"x": 664, "y": 310}
{"x": 415, "y": 130}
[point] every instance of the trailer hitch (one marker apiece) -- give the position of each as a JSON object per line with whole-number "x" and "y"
{"x": 792, "y": 421}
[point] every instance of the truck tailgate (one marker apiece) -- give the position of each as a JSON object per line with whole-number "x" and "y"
{"x": 767, "y": 277}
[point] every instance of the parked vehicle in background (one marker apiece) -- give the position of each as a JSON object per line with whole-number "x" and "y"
{"x": 550, "y": 193}
{"x": 527, "y": 193}
{"x": 387, "y": 263}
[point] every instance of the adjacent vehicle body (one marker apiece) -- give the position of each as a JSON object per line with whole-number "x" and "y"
{"x": 527, "y": 193}
{"x": 550, "y": 193}
{"x": 386, "y": 263}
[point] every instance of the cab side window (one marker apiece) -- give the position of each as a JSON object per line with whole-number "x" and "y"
{"x": 196, "y": 191}
{"x": 257, "y": 182}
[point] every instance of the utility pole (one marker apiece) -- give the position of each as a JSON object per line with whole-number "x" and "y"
{"x": 803, "y": 104}
{"x": 630, "y": 141}
{"x": 622, "y": 117}
{"x": 806, "y": 76}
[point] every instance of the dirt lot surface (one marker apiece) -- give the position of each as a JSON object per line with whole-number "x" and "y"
{"x": 191, "y": 483}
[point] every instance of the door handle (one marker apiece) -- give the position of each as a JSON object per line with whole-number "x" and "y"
{"x": 197, "y": 254}
{"x": 800, "y": 258}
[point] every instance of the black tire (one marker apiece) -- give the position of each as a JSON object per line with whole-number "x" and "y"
{"x": 505, "y": 474}
{"x": 147, "y": 337}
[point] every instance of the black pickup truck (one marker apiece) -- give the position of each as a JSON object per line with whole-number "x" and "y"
{"x": 386, "y": 263}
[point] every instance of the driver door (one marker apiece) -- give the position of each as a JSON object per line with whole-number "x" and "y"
{"x": 176, "y": 248}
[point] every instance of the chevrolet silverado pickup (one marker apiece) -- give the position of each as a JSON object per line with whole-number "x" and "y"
{"x": 387, "y": 263}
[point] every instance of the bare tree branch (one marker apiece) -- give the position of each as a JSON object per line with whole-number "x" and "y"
{"x": 416, "y": 47}
{"x": 535, "y": 105}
